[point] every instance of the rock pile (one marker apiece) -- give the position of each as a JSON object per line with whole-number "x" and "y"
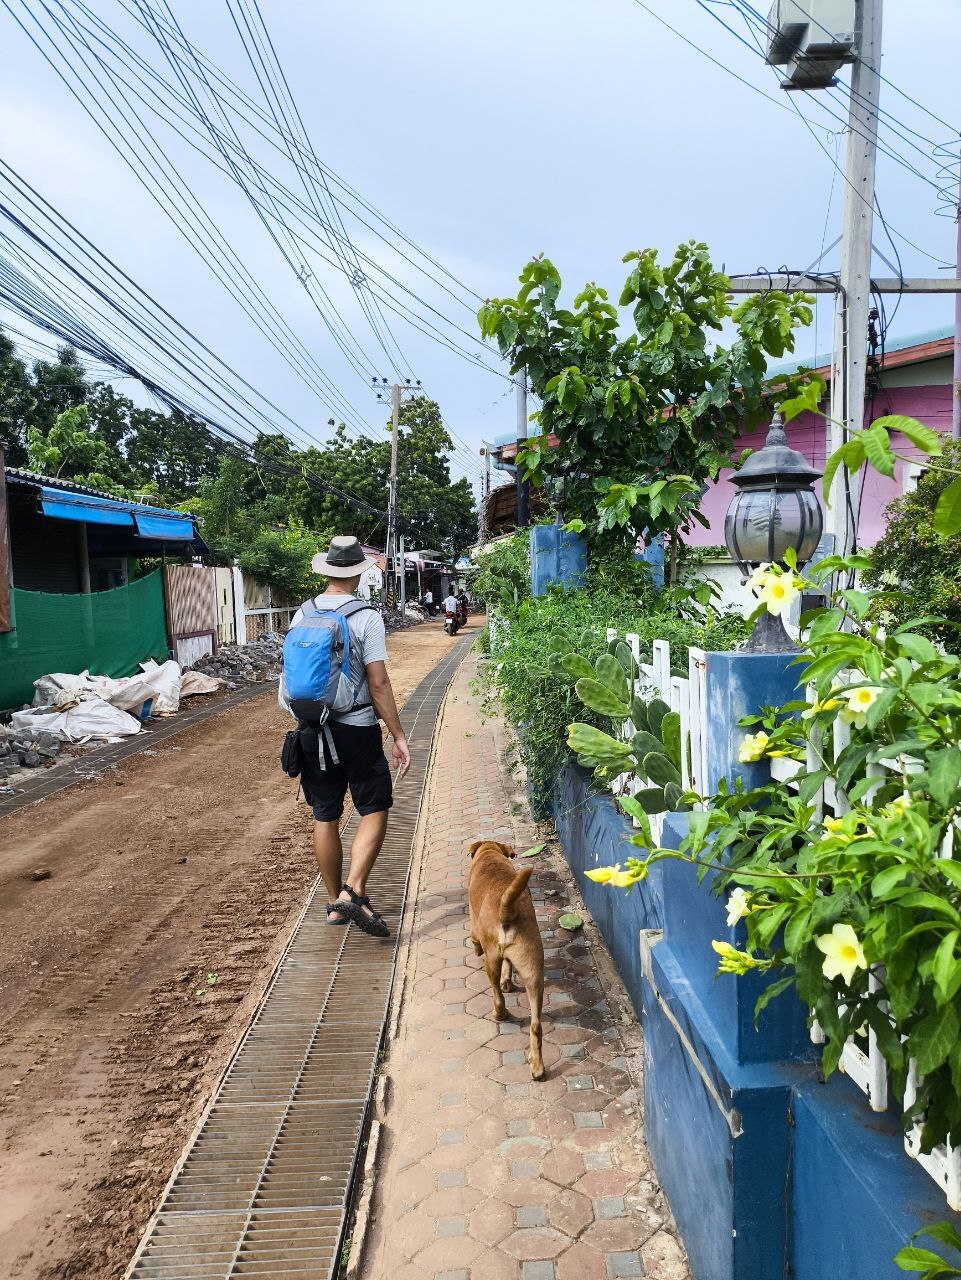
{"x": 25, "y": 750}
{"x": 239, "y": 664}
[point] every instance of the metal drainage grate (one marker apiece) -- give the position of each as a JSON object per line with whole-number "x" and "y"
{"x": 264, "y": 1188}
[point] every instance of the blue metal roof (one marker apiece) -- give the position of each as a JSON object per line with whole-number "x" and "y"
{"x": 66, "y": 500}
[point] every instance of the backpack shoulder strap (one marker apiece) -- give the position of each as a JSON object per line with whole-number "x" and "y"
{"x": 355, "y": 606}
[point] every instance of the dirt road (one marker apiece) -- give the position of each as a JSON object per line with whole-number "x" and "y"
{"x": 127, "y": 976}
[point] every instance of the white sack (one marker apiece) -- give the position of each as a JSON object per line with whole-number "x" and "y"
{"x": 193, "y": 682}
{"x": 93, "y": 719}
{"x": 164, "y": 682}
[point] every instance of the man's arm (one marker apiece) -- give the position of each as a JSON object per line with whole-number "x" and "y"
{"x": 382, "y": 696}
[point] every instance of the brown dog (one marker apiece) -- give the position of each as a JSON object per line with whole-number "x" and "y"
{"x": 503, "y": 929}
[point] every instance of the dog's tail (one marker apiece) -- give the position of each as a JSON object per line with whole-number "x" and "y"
{"x": 512, "y": 893}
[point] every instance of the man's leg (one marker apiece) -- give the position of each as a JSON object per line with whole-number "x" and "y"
{"x": 366, "y": 846}
{"x": 329, "y": 853}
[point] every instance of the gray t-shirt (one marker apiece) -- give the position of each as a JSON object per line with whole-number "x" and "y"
{"x": 368, "y": 643}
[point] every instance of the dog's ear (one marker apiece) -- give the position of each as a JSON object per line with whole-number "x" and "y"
{"x": 472, "y": 849}
{"x": 509, "y": 850}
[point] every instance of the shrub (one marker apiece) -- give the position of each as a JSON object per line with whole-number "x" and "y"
{"x": 912, "y": 558}
{"x": 538, "y": 695}
{"x": 503, "y": 577}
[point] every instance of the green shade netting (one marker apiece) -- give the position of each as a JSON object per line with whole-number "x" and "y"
{"x": 108, "y": 633}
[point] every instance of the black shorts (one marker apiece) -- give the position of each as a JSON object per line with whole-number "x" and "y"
{"x": 362, "y": 766}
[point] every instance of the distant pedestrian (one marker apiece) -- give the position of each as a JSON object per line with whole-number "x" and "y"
{"x": 342, "y": 747}
{"x": 429, "y": 601}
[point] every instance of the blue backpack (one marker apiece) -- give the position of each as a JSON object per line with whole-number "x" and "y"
{"x": 317, "y": 662}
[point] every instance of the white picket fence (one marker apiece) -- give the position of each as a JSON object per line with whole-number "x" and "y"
{"x": 686, "y": 696}
{"x": 865, "y": 1066}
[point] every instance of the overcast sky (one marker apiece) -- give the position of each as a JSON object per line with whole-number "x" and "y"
{"x": 488, "y": 132}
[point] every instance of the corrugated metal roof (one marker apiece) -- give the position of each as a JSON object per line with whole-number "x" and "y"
{"x": 20, "y": 475}
{"x": 819, "y": 360}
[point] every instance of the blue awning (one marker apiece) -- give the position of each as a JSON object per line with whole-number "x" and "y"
{"x": 147, "y": 522}
{"x": 169, "y": 526}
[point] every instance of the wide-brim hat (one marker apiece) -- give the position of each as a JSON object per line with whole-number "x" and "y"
{"x": 344, "y": 559}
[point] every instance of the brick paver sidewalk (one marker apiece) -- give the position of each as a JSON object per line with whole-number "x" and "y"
{"x": 481, "y": 1173}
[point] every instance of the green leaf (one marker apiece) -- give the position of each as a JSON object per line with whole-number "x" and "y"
{"x": 657, "y": 709}
{"x": 660, "y": 770}
{"x": 888, "y": 879}
{"x": 672, "y": 797}
{"x": 810, "y": 784}
{"x": 951, "y": 870}
{"x": 588, "y": 741}
{"x": 599, "y": 698}
{"x": 947, "y": 513}
{"x": 770, "y": 993}
{"x": 944, "y": 774}
{"x": 927, "y": 440}
{"x": 946, "y": 969}
{"x": 945, "y": 1233}
{"x": 577, "y": 666}
{"x": 911, "y": 1258}
{"x": 570, "y": 922}
{"x": 639, "y": 714}
{"x": 671, "y": 736}
{"x": 851, "y": 454}
{"x": 625, "y": 657}
{"x": 917, "y": 647}
{"x": 643, "y": 742}
{"x": 611, "y": 673}
{"x": 933, "y": 903}
{"x": 877, "y": 446}
{"x": 534, "y": 851}
{"x": 933, "y": 1037}
{"x": 806, "y": 400}
{"x": 650, "y": 800}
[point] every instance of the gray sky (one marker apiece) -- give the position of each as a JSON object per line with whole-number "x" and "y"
{"x": 488, "y": 132}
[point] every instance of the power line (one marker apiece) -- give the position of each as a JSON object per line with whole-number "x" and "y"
{"x": 188, "y": 216}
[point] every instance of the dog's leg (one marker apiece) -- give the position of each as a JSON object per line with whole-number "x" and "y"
{"x": 533, "y": 978}
{"x": 507, "y": 976}
{"x": 493, "y": 967}
{"x": 478, "y": 949}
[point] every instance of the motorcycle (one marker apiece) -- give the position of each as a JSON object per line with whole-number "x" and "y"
{"x": 462, "y": 613}
{"x": 451, "y": 624}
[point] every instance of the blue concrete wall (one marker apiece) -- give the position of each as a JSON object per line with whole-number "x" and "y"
{"x": 595, "y": 834}
{"x": 770, "y": 1174}
{"x": 653, "y": 554}
{"x": 557, "y": 558}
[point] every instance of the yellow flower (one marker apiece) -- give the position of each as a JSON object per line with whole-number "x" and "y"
{"x": 753, "y": 747}
{"x": 897, "y": 808}
{"x": 860, "y": 701}
{"x": 732, "y": 960}
{"x": 778, "y": 593}
{"x": 843, "y": 953}
{"x": 615, "y": 877}
{"x": 759, "y": 577}
{"x": 817, "y": 706}
{"x": 738, "y": 906}
{"x": 602, "y": 875}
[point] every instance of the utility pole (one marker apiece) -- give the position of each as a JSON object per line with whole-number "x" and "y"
{"x": 851, "y": 319}
{"x": 956, "y": 379}
{"x": 403, "y": 579}
{"x": 390, "y": 558}
{"x": 391, "y": 570}
{"x": 523, "y": 486}
{"x": 485, "y": 453}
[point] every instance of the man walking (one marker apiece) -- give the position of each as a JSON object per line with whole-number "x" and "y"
{"x": 346, "y": 749}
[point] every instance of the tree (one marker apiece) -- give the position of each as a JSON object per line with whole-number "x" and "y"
{"x": 16, "y": 399}
{"x": 71, "y": 450}
{"x": 642, "y": 421}
{"x": 57, "y": 387}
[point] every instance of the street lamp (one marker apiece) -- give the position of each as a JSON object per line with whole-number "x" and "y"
{"x": 775, "y": 509}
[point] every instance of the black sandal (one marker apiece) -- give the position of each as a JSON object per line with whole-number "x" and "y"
{"x": 373, "y": 924}
{"x": 341, "y": 909}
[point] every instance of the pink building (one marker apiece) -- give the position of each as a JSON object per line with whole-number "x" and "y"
{"x": 915, "y": 381}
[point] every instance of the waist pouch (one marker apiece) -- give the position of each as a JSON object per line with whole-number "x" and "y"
{"x": 292, "y": 754}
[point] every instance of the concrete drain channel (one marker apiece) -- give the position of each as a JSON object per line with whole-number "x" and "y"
{"x": 263, "y": 1189}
